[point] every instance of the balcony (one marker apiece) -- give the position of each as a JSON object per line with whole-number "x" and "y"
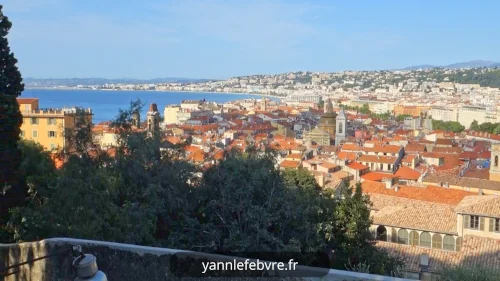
{"x": 126, "y": 262}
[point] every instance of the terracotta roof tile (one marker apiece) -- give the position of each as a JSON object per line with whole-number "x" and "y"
{"x": 413, "y": 214}
{"x": 427, "y": 193}
{"x": 475, "y": 251}
{"x": 485, "y": 205}
{"x": 408, "y": 173}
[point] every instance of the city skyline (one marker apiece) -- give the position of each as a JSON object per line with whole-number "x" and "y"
{"x": 221, "y": 39}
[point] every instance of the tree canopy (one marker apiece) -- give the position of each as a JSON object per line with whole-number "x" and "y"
{"x": 144, "y": 195}
{"x": 12, "y": 189}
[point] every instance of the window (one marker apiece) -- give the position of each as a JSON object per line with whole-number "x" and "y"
{"x": 340, "y": 128}
{"x": 414, "y": 238}
{"x": 437, "y": 241}
{"x": 449, "y": 243}
{"x": 34, "y": 121}
{"x": 403, "y": 236}
{"x": 394, "y": 235}
{"x": 474, "y": 222}
{"x": 459, "y": 244}
{"x": 425, "y": 239}
{"x": 51, "y": 121}
{"x": 496, "y": 160}
{"x": 381, "y": 233}
{"x": 494, "y": 225}
{"x": 52, "y": 134}
{"x": 35, "y": 134}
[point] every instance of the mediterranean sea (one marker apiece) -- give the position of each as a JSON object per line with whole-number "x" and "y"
{"x": 105, "y": 104}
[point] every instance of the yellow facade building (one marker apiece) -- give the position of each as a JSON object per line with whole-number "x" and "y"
{"x": 48, "y": 127}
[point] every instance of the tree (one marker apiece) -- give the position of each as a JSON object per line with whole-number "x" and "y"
{"x": 12, "y": 191}
{"x": 365, "y": 109}
{"x": 474, "y": 126}
{"x": 496, "y": 131}
{"x": 353, "y": 237}
{"x": 402, "y": 117}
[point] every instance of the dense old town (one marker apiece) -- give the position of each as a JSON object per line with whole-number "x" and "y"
{"x": 434, "y": 192}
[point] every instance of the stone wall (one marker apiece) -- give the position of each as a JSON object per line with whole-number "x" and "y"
{"x": 121, "y": 262}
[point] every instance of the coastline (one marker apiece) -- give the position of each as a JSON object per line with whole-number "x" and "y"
{"x": 161, "y": 91}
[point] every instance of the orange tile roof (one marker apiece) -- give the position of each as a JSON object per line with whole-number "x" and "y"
{"x": 289, "y": 164}
{"x": 26, "y": 100}
{"x": 407, "y": 173}
{"x": 378, "y": 159}
{"x": 376, "y": 176}
{"x": 344, "y": 155}
{"x": 429, "y": 193}
{"x": 357, "y": 166}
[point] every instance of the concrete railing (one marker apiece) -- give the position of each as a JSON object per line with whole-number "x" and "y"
{"x": 125, "y": 262}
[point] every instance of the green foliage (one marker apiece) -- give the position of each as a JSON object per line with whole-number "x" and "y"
{"x": 450, "y": 126}
{"x": 353, "y": 237}
{"x": 382, "y": 116}
{"x": 401, "y": 118}
{"x": 474, "y": 126}
{"x": 483, "y": 77}
{"x": 147, "y": 196}
{"x": 487, "y": 127}
{"x": 477, "y": 272}
{"x": 12, "y": 189}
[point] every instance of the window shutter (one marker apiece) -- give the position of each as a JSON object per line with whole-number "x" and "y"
{"x": 481, "y": 223}
{"x": 492, "y": 225}
{"x": 466, "y": 221}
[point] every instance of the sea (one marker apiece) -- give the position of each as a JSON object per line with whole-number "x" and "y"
{"x": 106, "y": 104}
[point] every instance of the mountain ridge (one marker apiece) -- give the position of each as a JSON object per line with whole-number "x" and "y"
{"x": 467, "y": 64}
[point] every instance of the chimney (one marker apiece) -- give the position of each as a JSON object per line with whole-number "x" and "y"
{"x": 481, "y": 192}
{"x": 388, "y": 183}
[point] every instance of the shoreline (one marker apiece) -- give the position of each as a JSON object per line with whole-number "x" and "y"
{"x": 160, "y": 91}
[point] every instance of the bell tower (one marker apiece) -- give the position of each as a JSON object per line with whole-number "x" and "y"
{"x": 495, "y": 165}
{"x": 153, "y": 120}
{"x": 341, "y": 125}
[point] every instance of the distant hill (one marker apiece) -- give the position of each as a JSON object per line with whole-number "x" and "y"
{"x": 51, "y": 82}
{"x": 468, "y": 64}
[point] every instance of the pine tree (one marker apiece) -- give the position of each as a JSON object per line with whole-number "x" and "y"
{"x": 11, "y": 189}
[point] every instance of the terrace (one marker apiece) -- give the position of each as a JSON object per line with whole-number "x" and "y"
{"x": 131, "y": 262}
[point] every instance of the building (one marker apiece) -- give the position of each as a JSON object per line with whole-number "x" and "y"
{"x": 467, "y": 115}
{"x": 341, "y": 124}
{"x": 495, "y": 167}
{"x": 50, "y": 127}
{"x": 449, "y": 227}
{"x": 170, "y": 114}
{"x": 153, "y": 120}
{"x": 445, "y": 114}
{"x": 327, "y": 122}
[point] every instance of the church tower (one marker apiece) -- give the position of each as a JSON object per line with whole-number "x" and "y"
{"x": 153, "y": 120}
{"x": 328, "y": 108}
{"x": 495, "y": 165}
{"x": 264, "y": 104}
{"x": 136, "y": 119}
{"x": 341, "y": 124}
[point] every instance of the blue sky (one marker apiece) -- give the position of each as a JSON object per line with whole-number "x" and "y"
{"x": 224, "y": 38}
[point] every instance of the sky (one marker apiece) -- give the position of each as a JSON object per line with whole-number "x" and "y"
{"x": 219, "y": 39}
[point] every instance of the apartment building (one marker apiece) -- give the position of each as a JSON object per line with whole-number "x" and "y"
{"x": 444, "y": 113}
{"x": 467, "y": 114}
{"x": 448, "y": 227}
{"x": 48, "y": 127}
